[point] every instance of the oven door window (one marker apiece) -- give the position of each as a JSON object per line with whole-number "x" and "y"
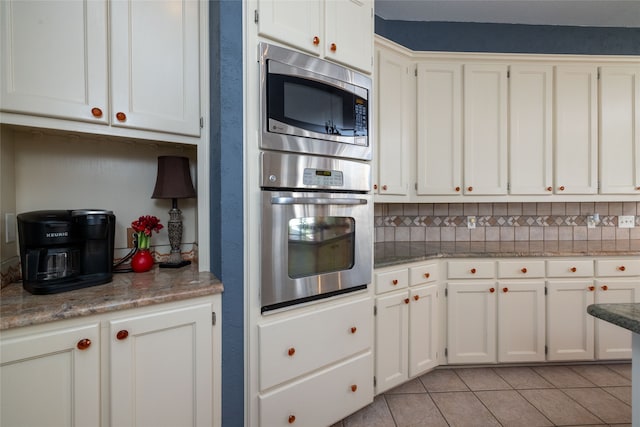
{"x": 319, "y": 244}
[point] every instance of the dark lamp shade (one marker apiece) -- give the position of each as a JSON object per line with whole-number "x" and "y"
{"x": 174, "y": 179}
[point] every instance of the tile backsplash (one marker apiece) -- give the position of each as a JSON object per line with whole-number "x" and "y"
{"x": 405, "y": 222}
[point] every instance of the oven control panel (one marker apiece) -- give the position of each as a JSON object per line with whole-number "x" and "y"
{"x": 324, "y": 178}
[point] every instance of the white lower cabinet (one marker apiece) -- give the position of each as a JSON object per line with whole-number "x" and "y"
{"x": 51, "y": 377}
{"x": 611, "y": 341}
{"x": 151, "y": 366}
{"x": 407, "y": 325}
{"x": 321, "y": 355}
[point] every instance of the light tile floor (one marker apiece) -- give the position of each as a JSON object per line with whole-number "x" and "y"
{"x": 567, "y": 395}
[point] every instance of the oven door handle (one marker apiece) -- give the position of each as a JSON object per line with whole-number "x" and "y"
{"x": 315, "y": 201}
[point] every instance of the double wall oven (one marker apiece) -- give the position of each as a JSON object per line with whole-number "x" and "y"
{"x": 317, "y": 210}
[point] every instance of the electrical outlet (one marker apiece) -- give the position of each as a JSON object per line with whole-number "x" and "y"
{"x": 593, "y": 220}
{"x": 471, "y": 222}
{"x": 626, "y": 221}
{"x": 130, "y": 238}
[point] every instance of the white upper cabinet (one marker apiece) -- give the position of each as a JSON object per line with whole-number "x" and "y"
{"x": 576, "y": 137}
{"x": 531, "y": 129}
{"x": 155, "y": 67}
{"x": 131, "y": 64}
{"x": 341, "y": 31}
{"x": 54, "y": 59}
{"x": 395, "y": 99}
{"x": 485, "y": 129}
{"x": 619, "y": 130}
{"x": 439, "y": 128}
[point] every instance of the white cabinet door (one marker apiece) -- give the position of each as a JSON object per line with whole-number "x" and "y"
{"x": 423, "y": 329}
{"x": 620, "y": 130}
{"x": 296, "y": 23}
{"x": 531, "y": 129}
{"x": 569, "y": 327}
{"x": 395, "y": 134}
{"x": 611, "y": 341}
{"x": 349, "y": 33}
{"x": 576, "y": 129}
{"x": 439, "y": 129}
{"x": 485, "y": 129}
{"x": 51, "y": 378}
{"x": 161, "y": 368}
{"x": 471, "y": 321}
{"x": 521, "y": 321}
{"x": 155, "y": 71}
{"x": 54, "y": 59}
{"x": 392, "y": 332}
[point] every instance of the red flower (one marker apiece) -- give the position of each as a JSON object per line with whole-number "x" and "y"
{"x": 146, "y": 224}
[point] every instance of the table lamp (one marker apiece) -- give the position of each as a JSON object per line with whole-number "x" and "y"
{"x": 174, "y": 182}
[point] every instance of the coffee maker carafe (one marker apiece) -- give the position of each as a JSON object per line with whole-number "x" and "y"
{"x": 62, "y": 250}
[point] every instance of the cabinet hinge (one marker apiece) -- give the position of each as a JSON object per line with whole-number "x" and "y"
{"x": 546, "y": 349}
{"x": 545, "y": 290}
{"x": 213, "y": 318}
{"x": 508, "y": 73}
{"x": 375, "y": 382}
{"x": 415, "y": 186}
{"x": 256, "y": 16}
{"x": 415, "y": 72}
{"x": 508, "y": 186}
{"x": 446, "y": 292}
{"x": 446, "y": 352}
{"x": 375, "y": 310}
{"x": 201, "y": 122}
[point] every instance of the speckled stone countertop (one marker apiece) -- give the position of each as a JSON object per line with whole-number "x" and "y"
{"x": 393, "y": 253}
{"x": 623, "y": 315}
{"x": 127, "y": 290}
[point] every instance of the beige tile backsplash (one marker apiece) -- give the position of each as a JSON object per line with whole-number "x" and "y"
{"x": 404, "y": 222}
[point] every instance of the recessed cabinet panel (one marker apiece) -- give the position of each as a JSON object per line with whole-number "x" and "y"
{"x": 292, "y": 22}
{"x": 155, "y": 74}
{"x": 395, "y": 101}
{"x": 471, "y": 269}
{"x": 620, "y": 130}
{"x": 349, "y": 30}
{"x": 576, "y": 125}
{"x": 614, "y": 342}
{"x": 531, "y": 129}
{"x": 485, "y": 129}
{"x": 439, "y": 127}
{"x": 618, "y": 267}
{"x": 423, "y": 331}
{"x": 570, "y": 268}
{"x": 54, "y": 59}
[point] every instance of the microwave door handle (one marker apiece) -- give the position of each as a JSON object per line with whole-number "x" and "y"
{"x": 315, "y": 201}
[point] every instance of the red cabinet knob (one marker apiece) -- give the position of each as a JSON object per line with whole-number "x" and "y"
{"x": 457, "y": 189}
{"x": 561, "y": 188}
{"x": 121, "y": 116}
{"x": 96, "y": 112}
{"x": 316, "y": 40}
{"x": 354, "y": 387}
{"x": 524, "y": 270}
{"x": 384, "y": 187}
{"x": 84, "y": 344}
{"x": 592, "y": 288}
{"x": 473, "y": 271}
{"x": 406, "y": 300}
{"x": 292, "y": 419}
{"x": 505, "y": 290}
{"x": 122, "y": 335}
{"x": 469, "y": 188}
{"x": 427, "y": 275}
{"x": 353, "y": 329}
{"x": 375, "y": 186}
{"x": 394, "y": 281}
{"x": 291, "y": 351}
{"x": 573, "y": 269}
{"x": 549, "y": 189}
{"x": 622, "y": 268}
{"x": 416, "y": 297}
{"x": 604, "y": 287}
{"x": 492, "y": 290}
{"x": 333, "y": 47}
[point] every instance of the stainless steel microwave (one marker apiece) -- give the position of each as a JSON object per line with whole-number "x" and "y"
{"x": 312, "y": 106}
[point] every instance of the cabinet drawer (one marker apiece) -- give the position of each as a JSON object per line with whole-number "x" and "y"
{"x": 570, "y": 268}
{"x": 423, "y": 274}
{"x": 294, "y": 346}
{"x": 520, "y": 269}
{"x": 471, "y": 269}
{"x": 391, "y": 280}
{"x": 618, "y": 267}
{"x": 342, "y": 389}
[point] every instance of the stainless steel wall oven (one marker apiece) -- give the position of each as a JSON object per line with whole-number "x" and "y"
{"x": 316, "y": 228}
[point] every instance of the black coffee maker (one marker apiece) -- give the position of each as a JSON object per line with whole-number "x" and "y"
{"x": 63, "y": 250}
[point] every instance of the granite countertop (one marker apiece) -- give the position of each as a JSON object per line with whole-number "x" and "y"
{"x": 621, "y": 314}
{"x": 393, "y": 253}
{"x": 127, "y": 290}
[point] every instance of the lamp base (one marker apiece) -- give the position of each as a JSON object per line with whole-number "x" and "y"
{"x": 174, "y": 264}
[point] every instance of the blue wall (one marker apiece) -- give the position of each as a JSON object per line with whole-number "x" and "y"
{"x": 511, "y": 38}
{"x": 226, "y": 177}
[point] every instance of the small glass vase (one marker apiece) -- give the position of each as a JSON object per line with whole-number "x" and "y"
{"x": 142, "y": 261}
